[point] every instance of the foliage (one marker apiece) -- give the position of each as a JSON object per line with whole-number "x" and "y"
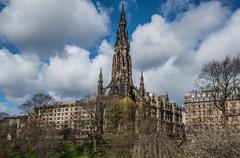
{"x": 119, "y": 111}
{"x": 66, "y": 150}
{"x": 124, "y": 137}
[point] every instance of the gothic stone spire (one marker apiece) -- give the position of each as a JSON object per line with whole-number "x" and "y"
{"x": 122, "y": 21}
{"x": 142, "y": 89}
{"x": 121, "y": 83}
{"x": 100, "y": 83}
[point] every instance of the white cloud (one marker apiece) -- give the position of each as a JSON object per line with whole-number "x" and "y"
{"x": 3, "y": 108}
{"x": 76, "y": 74}
{"x": 172, "y": 53}
{"x": 154, "y": 43}
{"x": 127, "y": 4}
{"x": 106, "y": 48}
{"x": 44, "y": 27}
{"x": 72, "y": 75}
{"x": 18, "y": 73}
{"x": 222, "y": 42}
{"x": 194, "y": 25}
{"x": 171, "y": 7}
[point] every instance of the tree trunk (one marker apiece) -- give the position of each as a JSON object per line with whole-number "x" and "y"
{"x": 224, "y": 117}
{"x": 94, "y": 144}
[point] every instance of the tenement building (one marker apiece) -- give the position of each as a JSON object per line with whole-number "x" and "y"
{"x": 78, "y": 115}
{"x": 202, "y": 114}
{"x": 168, "y": 115}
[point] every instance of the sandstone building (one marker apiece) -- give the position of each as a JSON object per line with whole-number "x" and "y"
{"x": 201, "y": 113}
{"x": 78, "y": 115}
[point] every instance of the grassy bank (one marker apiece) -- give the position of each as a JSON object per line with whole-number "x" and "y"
{"x": 70, "y": 150}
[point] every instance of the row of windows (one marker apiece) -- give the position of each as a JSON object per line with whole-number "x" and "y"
{"x": 62, "y": 114}
{"x": 65, "y": 109}
{"x": 66, "y": 117}
{"x": 209, "y": 106}
{"x": 83, "y": 123}
{"x": 211, "y": 112}
{"x": 86, "y": 128}
{"x": 212, "y": 119}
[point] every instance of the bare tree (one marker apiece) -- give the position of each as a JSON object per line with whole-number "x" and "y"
{"x": 221, "y": 79}
{"x": 214, "y": 144}
{"x": 32, "y": 106}
{"x": 125, "y": 141}
{"x": 37, "y": 100}
{"x": 5, "y": 144}
{"x": 36, "y": 136}
{"x": 150, "y": 143}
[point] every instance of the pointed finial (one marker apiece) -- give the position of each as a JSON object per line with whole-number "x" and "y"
{"x": 153, "y": 98}
{"x": 122, "y": 10}
{"x": 142, "y": 78}
{"x": 100, "y": 83}
{"x": 122, "y": 20}
{"x": 142, "y": 89}
{"x": 100, "y": 75}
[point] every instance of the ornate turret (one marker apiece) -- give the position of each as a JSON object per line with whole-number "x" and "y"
{"x": 141, "y": 89}
{"x": 100, "y": 83}
{"x": 121, "y": 82}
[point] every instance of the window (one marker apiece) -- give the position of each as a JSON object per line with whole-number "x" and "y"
{"x": 234, "y": 105}
{"x": 235, "y": 118}
{"x": 234, "y": 111}
{"x": 209, "y": 112}
{"x": 194, "y": 112}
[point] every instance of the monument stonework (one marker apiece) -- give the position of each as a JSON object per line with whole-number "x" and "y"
{"x": 121, "y": 85}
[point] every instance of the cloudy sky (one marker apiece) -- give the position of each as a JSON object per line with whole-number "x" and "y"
{"x": 58, "y": 46}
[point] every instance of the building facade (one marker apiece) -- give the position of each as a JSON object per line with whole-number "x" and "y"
{"x": 202, "y": 113}
{"x": 13, "y": 124}
{"x": 78, "y": 115}
{"x": 168, "y": 115}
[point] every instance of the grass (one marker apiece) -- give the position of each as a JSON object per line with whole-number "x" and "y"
{"x": 71, "y": 150}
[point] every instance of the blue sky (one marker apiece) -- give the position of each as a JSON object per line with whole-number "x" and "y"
{"x": 58, "y": 48}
